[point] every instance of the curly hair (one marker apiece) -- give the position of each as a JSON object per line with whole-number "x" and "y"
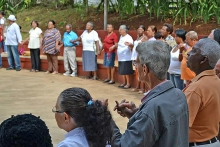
{"x": 94, "y": 118}
{"x": 24, "y": 130}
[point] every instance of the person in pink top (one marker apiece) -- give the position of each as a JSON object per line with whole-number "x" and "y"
{"x": 151, "y": 30}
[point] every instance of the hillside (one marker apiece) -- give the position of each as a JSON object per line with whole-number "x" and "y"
{"x": 78, "y": 19}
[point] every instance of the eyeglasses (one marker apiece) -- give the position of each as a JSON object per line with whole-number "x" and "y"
{"x": 56, "y": 111}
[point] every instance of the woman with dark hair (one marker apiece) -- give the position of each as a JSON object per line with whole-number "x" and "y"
{"x": 151, "y": 30}
{"x": 87, "y": 121}
{"x": 51, "y": 47}
{"x": 175, "y": 65}
{"x": 34, "y": 44}
{"x": 109, "y": 46}
{"x": 158, "y": 36}
{"x": 24, "y": 130}
{"x": 140, "y": 38}
{"x": 215, "y": 34}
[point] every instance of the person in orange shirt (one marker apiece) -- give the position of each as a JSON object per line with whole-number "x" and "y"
{"x": 203, "y": 94}
{"x": 186, "y": 73}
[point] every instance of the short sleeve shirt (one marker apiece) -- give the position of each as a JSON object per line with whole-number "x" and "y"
{"x": 124, "y": 51}
{"x": 88, "y": 40}
{"x": 2, "y": 21}
{"x": 109, "y": 41}
{"x": 34, "y": 42}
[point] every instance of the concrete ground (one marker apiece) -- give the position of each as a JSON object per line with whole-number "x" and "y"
{"x": 36, "y": 93}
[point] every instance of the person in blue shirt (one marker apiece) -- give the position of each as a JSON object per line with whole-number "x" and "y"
{"x": 69, "y": 55}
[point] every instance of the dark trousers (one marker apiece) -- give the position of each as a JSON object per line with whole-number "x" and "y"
{"x": 35, "y": 58}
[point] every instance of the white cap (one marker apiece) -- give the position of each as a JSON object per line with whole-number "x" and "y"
{"x": 11, "y": 17}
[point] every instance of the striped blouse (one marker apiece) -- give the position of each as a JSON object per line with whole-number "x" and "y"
{"x": 51, "y": 36}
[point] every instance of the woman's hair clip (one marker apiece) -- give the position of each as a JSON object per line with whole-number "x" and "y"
{"x": 89, "y": 103}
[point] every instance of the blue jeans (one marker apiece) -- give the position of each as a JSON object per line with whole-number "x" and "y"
{"x": 178, "y": 83}
{"x": 3, "y": 44}
{"x": 13, "y": 56}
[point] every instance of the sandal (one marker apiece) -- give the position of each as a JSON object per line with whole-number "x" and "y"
{"x": 106, "y": 81}
{"x": 47, "y": 72}
{"x": 126, "y": 87}
{"x": 36, "y": 70}
{"x": 134, "y": 90}
{"x": 87, "y": 77}
{"x": 140, "y": 92}
{"x": 111, "y": 82}
{"x": 121, "y": 86}
{"x": 55, "y": 72}
{"x": 32, "y": 70}
{"x": 95, "y": 78}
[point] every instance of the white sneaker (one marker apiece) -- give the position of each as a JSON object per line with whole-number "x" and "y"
{"x": 66, "y": 74}
{"x": 73, "y": 75}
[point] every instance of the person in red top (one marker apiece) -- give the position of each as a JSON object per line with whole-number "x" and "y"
{"x": 109, "y": 46}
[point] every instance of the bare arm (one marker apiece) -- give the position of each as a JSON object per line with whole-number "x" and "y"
{"x": 78, "y": 39}
{"x": 41, "y": 39}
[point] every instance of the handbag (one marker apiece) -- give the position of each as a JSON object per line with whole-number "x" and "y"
{"x": 21, "y": 51}
{"x": 94, "y": 46}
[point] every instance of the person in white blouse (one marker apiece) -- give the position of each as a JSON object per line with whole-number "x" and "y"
{"x": 125, "y": 46}
{"x": 89, "y": 57}
{"x": 35, "y": 42}
{"x": 141, "y": 37}
{"x": 175, "y": 65}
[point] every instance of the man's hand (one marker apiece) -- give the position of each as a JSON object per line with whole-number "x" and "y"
{"x": 112, "y": 48}
{"x": 181, "y": 46}
{"x": 127, "y": 43}
{"x": 125, "y": 109}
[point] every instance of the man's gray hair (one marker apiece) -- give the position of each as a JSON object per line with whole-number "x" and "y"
{"x": 124, "y": 27}
{"x": 91, "y": 23}
{"x": 209, "y": 48}
{"x": 70, "y": 26}
{"x": 156, "y": 56}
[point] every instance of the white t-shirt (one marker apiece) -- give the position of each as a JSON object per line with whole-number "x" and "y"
{"x": 124, "y": 51}
{"x": 88, "y": 40}
{"x": 2, "y": 21}
{"x": 34, "y": 42}
{"x": 175, "y": 64}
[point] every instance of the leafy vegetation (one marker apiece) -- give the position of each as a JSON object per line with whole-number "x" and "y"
{"x": 182, "y": 11}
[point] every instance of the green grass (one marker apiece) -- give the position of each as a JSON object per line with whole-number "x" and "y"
{"x": 44, "y": 14}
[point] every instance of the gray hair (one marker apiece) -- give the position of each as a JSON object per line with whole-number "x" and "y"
{"x": 69, "y": 25}
{"x": 192, "y": 35}
{"x": 209, "y": 48}
{"x": 124, "y": 27}
{"x": 91, "y": 23}
{"x": 156, "y": 56}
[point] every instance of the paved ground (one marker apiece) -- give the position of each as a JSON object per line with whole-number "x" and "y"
{"x": 36, "y": 93}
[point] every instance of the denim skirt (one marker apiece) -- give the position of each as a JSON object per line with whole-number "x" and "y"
{"x": 109, "y": 60}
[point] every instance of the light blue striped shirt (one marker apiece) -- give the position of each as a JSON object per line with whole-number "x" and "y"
{"x": 13, "y": 35}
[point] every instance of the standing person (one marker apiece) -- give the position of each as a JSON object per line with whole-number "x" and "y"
{"x": 34, "y": 44}
{"x": 109, "y": 46}
{"x": 167, "y": 31}
{"x": 215, "y": 34}
{"x": 203, "y": 94}
{"x": 69, "y": 55}
{"x": 51, "y": 46}
{"x": 87, "y": 121}
{"x": 158, "y": 36}
{"x": 162, "y": 118}
{"x": 175, "y": 65}
{"x": 186, "y": 74}
{"x": 89, "y": 38}
{"x": 140, "y": 38}
{"x": 125, "y": 45}
{"x": 151, "y": 30}
{"x": 13, "y": 38}
{"x": 3, "y": 25}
